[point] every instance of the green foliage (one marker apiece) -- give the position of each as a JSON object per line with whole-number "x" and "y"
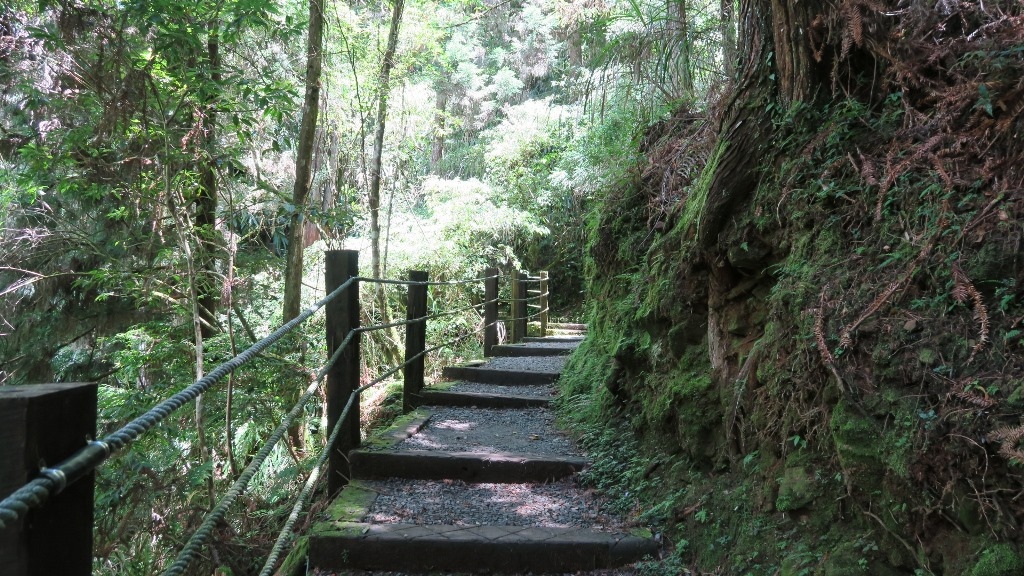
{"x": 998, "y": 560}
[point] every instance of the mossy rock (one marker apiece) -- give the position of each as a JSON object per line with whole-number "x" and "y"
{"x": 999, "y": 560}
{"x": 852, "y": 559}
{"x": 857, "y": 444}
{"x": 797, "y": 489}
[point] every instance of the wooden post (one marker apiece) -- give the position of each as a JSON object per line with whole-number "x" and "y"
{"x": 543, "y": 304}
{"x": 519, "y": 309}
{"x": 415, "y": 340}
{"x": 342, "y": 316}
{"x": 490, "y": 309}
{"x": 40, "y": 425}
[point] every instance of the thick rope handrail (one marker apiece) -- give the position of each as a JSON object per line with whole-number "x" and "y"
{"x": 425, "y": 282}
{"x": 307, "y": 489}
{"x": 527, "y": 317}
{"x": 54, "y": 479}
{"x": 411, "y": 321}
{"x": 205, "y": 530}
{"x": 303, "y": 498}
{"x": 458, "y": 310}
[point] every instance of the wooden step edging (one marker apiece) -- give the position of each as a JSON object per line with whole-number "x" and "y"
{"x": 466, "y": 466}
{"x": 344, "y": 541}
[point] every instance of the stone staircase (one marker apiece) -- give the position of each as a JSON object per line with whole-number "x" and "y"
{"x": 476, "y": 479}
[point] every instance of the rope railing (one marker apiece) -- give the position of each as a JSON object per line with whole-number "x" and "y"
{"x": 203, "y": 533}
{"x": 287, "y": 531}
{"x": 55, "y": 479}
{"x": 424, "y": 283}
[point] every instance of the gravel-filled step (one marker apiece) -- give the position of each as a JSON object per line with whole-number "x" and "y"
{"x": 562, "y": 504}
{"x": 535, "y": 349}
{"x": 481, "y": 388}
{"x": 529, "y": 431}
{"x": 511, "y": 370}
{"x": 551, "y": 364}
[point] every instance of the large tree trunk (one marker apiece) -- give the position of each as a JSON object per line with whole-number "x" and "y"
{"x": 303, "y": 161}
{"x": 777, "y": 70}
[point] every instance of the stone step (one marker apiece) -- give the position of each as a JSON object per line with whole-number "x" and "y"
{"x": 489, "y": 467}
{"x": 519, "y": 350}
{"x": 477, "y": 399}
{"x": 493, "y": 549}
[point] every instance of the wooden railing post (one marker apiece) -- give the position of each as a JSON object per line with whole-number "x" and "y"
{"x": 415, "y": 340}
{"x": 40, "y": 425}
{"x": 519, "y": 306}
{"x": 490, "y": 309}
{"x": 543, "y": 304}
{"x": 342, "y": 316}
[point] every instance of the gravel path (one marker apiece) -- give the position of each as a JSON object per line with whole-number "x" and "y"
{"x": 562, "y": 504}
{"x": 488, "y": 430}
{"x": 526, "y": 363}
{"x": 538, "y": 391}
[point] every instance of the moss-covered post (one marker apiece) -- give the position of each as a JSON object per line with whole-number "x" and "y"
{"x": 41, "y": 425}
{"x": 415, "y": 339}
{"x": 490, "y": 309}
{"x": 543, "y": 303}
{"x": 518, "y": 306}
{"x": 342, "y": 316}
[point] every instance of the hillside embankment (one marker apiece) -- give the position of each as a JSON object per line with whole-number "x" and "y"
{"x": 833, "y": 381}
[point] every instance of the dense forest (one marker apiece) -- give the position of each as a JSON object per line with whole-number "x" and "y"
{"x": 793, "y": 229}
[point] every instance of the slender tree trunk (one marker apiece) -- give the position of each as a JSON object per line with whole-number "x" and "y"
{"x": 681, "y": 66}
{"x": 727, "y": 28}
{"x": 206, "y": 197}
{"x": 437, "y": 152}
{"x": 303, "y": 162}
{"x": 300, "y": 191}
{"x": 384, "y": 87}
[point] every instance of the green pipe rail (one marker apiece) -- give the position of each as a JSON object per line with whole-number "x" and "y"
{"x": 28, "y": 547}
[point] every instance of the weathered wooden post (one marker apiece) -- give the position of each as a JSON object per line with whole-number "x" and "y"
{"x": 342, "y": 316}
{"x": 543, "y": 304}
{"x": 415, "y": 340}
{"x": 490, "y": 309}
{"x": 519, "y": 306}
{"x": 40, "y": 425}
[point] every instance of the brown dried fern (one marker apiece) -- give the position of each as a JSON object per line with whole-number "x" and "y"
{"x": 1007, "y": 434}
{"x": 1012, "y": 453}
{"x": 845, "y": 338}
{"x": 971, "y": 397}
{"x": 963, "y": 289}
{"x": 1008, "y": 437}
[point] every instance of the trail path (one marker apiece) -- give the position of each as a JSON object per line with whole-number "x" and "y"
{"x": 478, "y": 479}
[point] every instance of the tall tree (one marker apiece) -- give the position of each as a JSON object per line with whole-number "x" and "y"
{"x": 303, "y": 161}
{"x": 383, "y": 87}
